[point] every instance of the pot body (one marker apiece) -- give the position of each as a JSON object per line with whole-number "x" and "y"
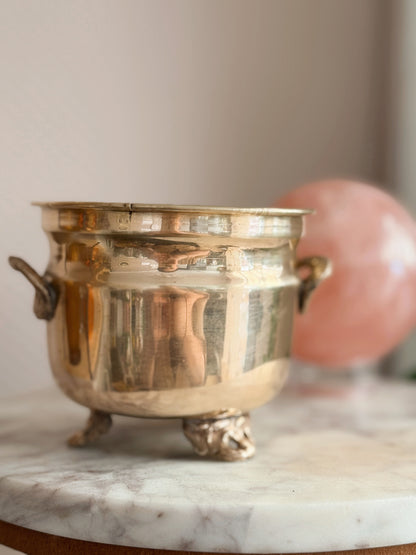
{"x": 170, "y": 311}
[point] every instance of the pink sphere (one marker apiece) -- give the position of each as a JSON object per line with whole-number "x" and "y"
{"x": 368, "y": 305}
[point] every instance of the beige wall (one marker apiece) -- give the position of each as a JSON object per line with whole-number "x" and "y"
{"x": 220, "y": 102}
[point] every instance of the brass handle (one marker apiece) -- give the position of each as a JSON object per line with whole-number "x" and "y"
{"x": 319, "y": 268}
{"x": 46, "y": 297}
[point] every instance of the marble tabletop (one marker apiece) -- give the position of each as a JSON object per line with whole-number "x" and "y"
{"x": 330, "y": 473}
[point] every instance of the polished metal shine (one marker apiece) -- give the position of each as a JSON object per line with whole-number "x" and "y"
{"x": 171, "y": 311}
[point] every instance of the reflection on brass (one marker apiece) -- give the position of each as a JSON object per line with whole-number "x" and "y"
{"x": 97, "y": 424}
{"x": 319, "y": 268}
{"x": 170, "y": 311}
{"x": 252, "y": 389}
{"x": 170, "y": 257}
{"x": 173, "y": 338}
{"x": 226, "y": 437}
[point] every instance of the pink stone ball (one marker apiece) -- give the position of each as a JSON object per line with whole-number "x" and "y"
{"x": 368, "y": 306}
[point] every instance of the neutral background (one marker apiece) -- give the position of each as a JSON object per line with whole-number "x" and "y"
{"x": 227, "y": 102}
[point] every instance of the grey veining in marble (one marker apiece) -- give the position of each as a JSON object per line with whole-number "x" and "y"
{"x": 330, "y": 473}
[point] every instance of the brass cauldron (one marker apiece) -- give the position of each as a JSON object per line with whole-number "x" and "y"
{"x": 172, "y": 311}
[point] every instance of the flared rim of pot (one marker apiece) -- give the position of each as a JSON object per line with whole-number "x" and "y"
{"x": 174, "y": 208}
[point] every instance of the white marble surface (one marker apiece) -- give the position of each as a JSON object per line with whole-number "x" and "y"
{"x": 329, "y": 474}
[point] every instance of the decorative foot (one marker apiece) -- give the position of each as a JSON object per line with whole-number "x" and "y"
{"x": 225, "y": 436}
{"x": 97, "y": 424}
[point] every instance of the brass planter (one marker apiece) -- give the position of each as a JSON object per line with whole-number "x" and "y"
{"x": 172, "y": 311}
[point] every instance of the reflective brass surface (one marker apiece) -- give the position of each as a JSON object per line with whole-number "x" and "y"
{"x": 97, "y": 424}
{"x": 45, "y": 297}
{"x": 226, "y": 437}
{"x": 170, "y": 311}
{"x": 319, "y": 268}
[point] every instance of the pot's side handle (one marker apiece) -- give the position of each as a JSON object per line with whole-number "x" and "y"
{"x": 46, "y": 296}
{"x": 319, "y": 268}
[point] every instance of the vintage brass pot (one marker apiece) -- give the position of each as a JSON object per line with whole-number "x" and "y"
{"x": 172, "y": 311}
